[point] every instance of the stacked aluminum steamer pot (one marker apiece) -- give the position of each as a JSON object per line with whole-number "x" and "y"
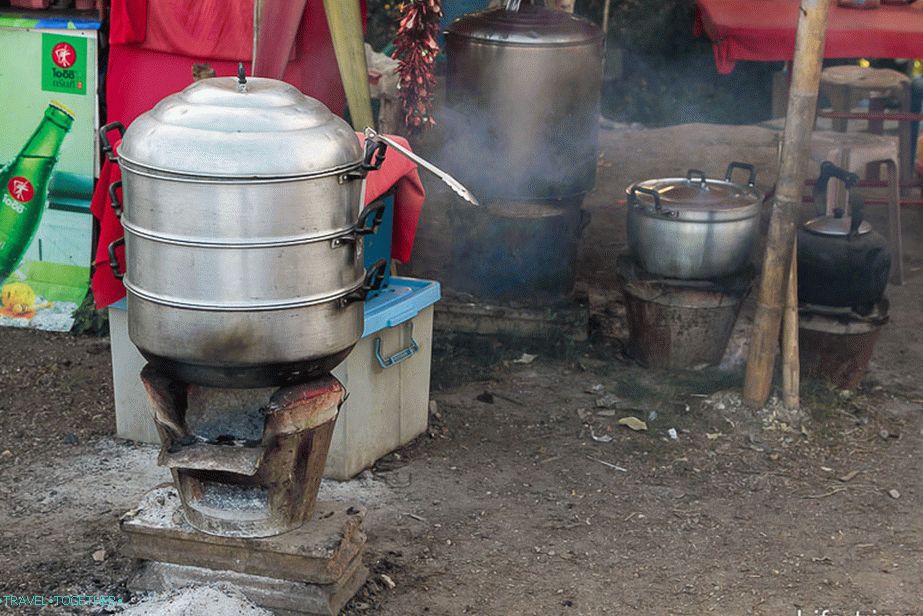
{"x": 243, "y": 234}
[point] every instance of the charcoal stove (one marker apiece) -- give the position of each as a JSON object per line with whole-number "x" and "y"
{"x": 835, "y": 344}
{"x": 680, "y": 324}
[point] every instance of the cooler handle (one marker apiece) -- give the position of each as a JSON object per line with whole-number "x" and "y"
{"x": 402, "y": 355}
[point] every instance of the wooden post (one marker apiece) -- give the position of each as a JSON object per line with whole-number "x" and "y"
{"x": 799, "y": 123}
{"x": 791, "y": 363}
{"x": 345, "y": 21}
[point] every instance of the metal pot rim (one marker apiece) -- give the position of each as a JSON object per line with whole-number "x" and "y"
{"x": 250, "y": 306}
{"x": 675, "y": 211}
{"x": 276, "y": 242}
{"x": 161, "y": 173}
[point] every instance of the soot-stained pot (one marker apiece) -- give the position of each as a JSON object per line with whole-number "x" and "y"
{"x": 693, "y": 227}
{"x": 522, "y": 94}
{"x": 243, "y": 233}
{"x": 842, "y": 262}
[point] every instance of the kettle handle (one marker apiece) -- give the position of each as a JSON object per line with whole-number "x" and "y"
{"x": 856, "y": 212}
{"x": 829, "y": 171}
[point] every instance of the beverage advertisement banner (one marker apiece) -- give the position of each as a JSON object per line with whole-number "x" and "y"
{"x": 47, "y": 145}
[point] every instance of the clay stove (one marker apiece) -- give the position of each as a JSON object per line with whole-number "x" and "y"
{"x": 246, "y": 468}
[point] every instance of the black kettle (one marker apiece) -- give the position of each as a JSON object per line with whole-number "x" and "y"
{"x": 842, "y": 262}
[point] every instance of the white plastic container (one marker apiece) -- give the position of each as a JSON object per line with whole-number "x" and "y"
{"x": 386, "y": 375}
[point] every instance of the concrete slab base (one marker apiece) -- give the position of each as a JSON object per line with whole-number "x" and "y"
{"x": 565, "y": 322}
{"x": 315, "y": 569}
{"x": 282, "y": 597}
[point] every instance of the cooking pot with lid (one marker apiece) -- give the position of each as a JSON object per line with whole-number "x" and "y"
{"x": 694, "y": 227}
{"x": 241, "y": 208}
{"x": 522, "y": 98}
{"x": 842, "y": 261}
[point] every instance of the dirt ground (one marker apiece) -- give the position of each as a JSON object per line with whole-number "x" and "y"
{"x": 527, "y": 496}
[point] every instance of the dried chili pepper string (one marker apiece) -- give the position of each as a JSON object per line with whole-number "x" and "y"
{"x": 416, "y": 49}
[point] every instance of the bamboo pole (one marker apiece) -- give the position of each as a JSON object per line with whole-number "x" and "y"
{"x": 799, "y": 123}
{"x": 345, "y": 21}
{"x": 791, "y": 363}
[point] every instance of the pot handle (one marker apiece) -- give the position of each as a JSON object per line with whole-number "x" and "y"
{"x": 739, "y": 165}
{"x": 104, "y": 142}
{"x": 372, "y": 160}
{"x": 114, "y": 188}
{"x": 700, "y": 175}
{"x": 653, "y": 193}
{"x": 374, "y": 278}
{"x": 647, "y": 191}
{"x": 374, "y": 211}
{"x": 114, "y": 260}
{"x": 364, "y": 226}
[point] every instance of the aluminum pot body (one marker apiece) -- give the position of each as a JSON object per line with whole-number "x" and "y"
{"x": 690, "y": 250}
{"x": 196, "y": 208}
{"x": 693, "y": 228}
{"x": 230, "y": 298}
{"x": 243, "y": 234}
{"x": 225, "y": 348}
{"x": 523, "y": 95}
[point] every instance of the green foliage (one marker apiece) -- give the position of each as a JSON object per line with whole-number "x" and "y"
{"x": 382, "y": 21}
{"x": 88, "y": 321}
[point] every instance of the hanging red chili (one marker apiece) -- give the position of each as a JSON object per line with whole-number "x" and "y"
{"x": 416, "y": 48}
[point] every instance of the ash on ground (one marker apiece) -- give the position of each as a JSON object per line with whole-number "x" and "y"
{"x": 214, "y": 600}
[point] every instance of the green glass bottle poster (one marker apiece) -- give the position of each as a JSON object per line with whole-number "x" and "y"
{"x": 47, "y": 164}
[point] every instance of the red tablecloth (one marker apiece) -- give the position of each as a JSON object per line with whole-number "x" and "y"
{"x": 764, "y": 30}
{"x": 153, "y": 46}
{"x": 396, "y": 171}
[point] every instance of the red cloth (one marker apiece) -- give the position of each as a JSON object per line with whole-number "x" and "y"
{"x": 213, "y": 29}
{"x": 154, "y": 45}
{"x": 396, "y": 171}
{"x": 107, "y": 289}
{"x": 127, "y": 21}
{"x": 764, "y": 30}
{"x": 401, "y": 173}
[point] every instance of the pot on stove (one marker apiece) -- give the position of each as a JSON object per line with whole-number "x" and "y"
{"x": 241, "y": 209}
{"x": 696, "y": 227}
{"x": 842, "y": 262}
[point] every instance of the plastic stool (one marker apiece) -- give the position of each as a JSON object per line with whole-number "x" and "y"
{"x": 854, "y": 152}
{"x": 847, "y": 85}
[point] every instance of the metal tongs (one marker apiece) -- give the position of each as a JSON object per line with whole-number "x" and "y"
{"x": 451, "y": 182}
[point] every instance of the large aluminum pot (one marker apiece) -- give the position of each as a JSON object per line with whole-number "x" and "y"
{"x": 243, "y": 234}
{"x": 522, "y": 93}
{"x": 694, "y": 227}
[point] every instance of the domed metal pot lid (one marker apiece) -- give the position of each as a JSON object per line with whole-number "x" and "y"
{"x": 226, "y": 127}
{"x": 697, "y": 197}
{"x": 837, "y": 226}
{"x": 530, "y": 25}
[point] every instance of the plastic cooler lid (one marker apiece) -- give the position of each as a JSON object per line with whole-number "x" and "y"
{"x": 400, "y": 301}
